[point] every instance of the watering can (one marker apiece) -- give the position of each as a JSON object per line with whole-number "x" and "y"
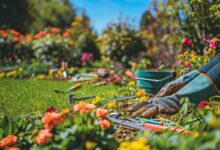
{"x": 153, "y": 81}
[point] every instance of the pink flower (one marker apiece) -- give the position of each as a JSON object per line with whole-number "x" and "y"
{"x": 86, "y": 57}
{"x": 187, "y": 64}
{"x": 214, "y": 43}
{"x": 202, "y": 104}
{"x": 180, "y": 62}
{"x": 187, "y": 41}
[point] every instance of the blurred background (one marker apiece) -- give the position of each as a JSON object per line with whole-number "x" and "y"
{"x": 103, "y": 32}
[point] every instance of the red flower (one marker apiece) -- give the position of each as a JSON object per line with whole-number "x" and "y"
{"x": 101, "y": 113}
{"x": 14, "y": 32}
{"x": 104, "y": 124}
{"x": 214, "y": 43}
{"x": 43, "y": 136}
{"x": 50, "y": 109}
{"x": 187, "y": 64}
{"x": 202, "y": 104}
{"x": 8, "y": 141}
{"x": 187, "y": 41}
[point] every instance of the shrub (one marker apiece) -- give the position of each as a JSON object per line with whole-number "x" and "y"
{"x": 120, "y": 42}
{"x": 53, "y": 48}
{"x": 86, "y": 44}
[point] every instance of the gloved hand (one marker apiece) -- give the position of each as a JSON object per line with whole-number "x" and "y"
{"x": 170, "y": 88}
{"x": 177, "y": 84}
{"x": 149, "y": 108}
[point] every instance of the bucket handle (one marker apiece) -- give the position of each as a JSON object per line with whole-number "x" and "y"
{"x": 155, "y": 80}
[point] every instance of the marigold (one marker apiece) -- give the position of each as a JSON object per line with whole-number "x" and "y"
{"x": 140, "y": 93}
{"x": 101, "y": 113}
{"x": 50, "y": 120}
{"x": 96, "y": 100}
{"x": 131, "y": 83}
{"x": 111, "y": 104}
{"x": 8, "y": 141}
{"x": 104, "y": 124}
{"x": 13, "y": 148}
{"x": 90, "y": 145}
{"x": 43, "y": 136}
{"x": 217, "y": 111}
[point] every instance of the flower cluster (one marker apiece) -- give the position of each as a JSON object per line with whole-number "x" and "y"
{"x": 190, "y": 59}
{"x": 140, "y": 143}
{"x": 87, "y": 58}
{"x": 8, "y": 141}
{"x": 142, "y": 95}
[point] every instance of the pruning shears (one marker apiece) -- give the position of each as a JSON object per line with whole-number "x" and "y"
{"x": 133, "y": 123}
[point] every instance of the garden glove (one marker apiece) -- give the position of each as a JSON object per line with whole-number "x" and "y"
{"x": 200, "y": 88}
{"x": 177, "y": 84}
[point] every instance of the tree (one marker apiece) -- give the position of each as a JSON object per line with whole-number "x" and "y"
{"x": 34, "y": 15}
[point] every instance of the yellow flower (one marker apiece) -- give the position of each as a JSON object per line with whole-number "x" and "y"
{"x": 64, "y": 112}
{"x": 131, "y": 83}
{"x": 195, "y": 134}
{"x": 143, "y": 98}
{"x": 2, "y": 74}
{"x": 111, "y": 104}
{"x": 141, "y": 93}
{"x": 90, "y": 145}
{"x": 96, "y": 100}
{"x": 50, "y": 72}
{"x": 139, "y": 144}
{"x": 186, "y": 53}
{"x": 20, "y": 69}
{"x": 41, "y": 77}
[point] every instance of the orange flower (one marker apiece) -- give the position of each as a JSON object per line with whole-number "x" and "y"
{"x": 66, "y": 34}
{"x": 101, "y": 113}
{"x": 50, "y": 120}
{"x": 13, "y": 148}
{"x": 8, "y": 141}
{"x": 54, "y": 30}
{"x": 43, "y": 136}
{"x": 217, "y": 111}
{"x": 82, "y": 107}
{"x": 104, "y": 124}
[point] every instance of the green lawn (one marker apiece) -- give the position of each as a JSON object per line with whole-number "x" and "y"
{"x": 26, "y": 96}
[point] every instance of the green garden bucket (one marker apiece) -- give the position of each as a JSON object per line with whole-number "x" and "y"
{"x": 153, "y": 81}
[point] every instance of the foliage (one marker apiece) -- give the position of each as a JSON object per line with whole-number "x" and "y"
{"x": 78, "y": 130}
{"x": 14, "y": 47}
{"x": 160, "y": 36}
{"x": 80, "y": 24}
{"x": 191, "y": 60}
{"x": 120, "y": 42}
{"x": 27, "y": 16}
{"x": 54, "y": 48}
{"x": 86, "y": 43}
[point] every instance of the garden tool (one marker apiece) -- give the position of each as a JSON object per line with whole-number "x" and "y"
{"x": 200, "y": 88}
{"x": 71, "y": 99}
{"x": 177, "y": 84}
{"x": 77, "y": 86}
{"x": 137, "y": 125}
